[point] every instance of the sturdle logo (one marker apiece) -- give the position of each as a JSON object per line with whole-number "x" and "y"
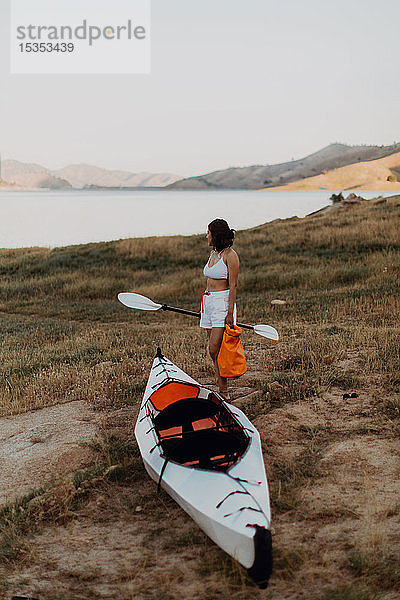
{"x": 85, "y": 31}
{"x": 80, "y": 37}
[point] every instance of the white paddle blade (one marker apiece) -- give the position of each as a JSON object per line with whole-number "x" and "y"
{"x": 132, "y": 300}
{"x": 267, "y": 331}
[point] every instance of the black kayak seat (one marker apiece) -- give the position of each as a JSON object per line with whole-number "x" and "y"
{"x": 205, "y": 445}
{"x": 184, "y": 412}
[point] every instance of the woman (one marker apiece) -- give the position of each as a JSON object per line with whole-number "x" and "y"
{"x": 218, "y": 306}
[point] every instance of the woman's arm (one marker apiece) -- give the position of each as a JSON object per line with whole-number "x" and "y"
{"x": 232, "y": 262}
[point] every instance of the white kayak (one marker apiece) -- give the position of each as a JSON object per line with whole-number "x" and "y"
{"x": 207, "y": 455}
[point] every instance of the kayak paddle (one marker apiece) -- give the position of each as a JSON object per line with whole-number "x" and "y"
{"x": 132, "y": 300}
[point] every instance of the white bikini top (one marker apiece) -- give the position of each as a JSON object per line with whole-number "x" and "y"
{"x": 217, "y": 271}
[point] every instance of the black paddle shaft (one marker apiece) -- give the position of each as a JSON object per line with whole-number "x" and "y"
{"x": 191, "y": 313}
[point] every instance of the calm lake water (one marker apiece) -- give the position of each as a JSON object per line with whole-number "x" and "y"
{"x": 61, "y": 218}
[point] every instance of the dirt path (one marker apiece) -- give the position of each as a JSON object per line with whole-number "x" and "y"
{"x": 333, "y": 467}
{"x": 38, "y": 446}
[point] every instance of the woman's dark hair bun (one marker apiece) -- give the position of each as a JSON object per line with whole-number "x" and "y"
{"x": 222, "y": 235}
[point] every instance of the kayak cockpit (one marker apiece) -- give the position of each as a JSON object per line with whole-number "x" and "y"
{"x": 200, "y": 433}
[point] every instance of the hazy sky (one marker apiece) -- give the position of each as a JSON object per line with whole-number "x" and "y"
{"x": 233, "y": 82}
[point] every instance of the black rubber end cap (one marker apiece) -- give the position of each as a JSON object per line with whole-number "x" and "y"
{"x": 261, "y": 570}
{"x": 159, "y": 353}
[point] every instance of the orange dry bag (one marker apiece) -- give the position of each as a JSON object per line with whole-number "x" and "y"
{"x": 231, "y": 360}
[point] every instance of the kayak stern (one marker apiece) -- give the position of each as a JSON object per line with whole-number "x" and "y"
{"x": 261, "y": 569}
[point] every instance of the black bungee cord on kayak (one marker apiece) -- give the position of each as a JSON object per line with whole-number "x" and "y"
{"x": 250, "y": 481}
{"x": 160, "y": 383}
{"x": 245, "y": 491}
{"x": 231, "y": 494}
{"x": 242, "y": 508}
{"x": 166, "y": 461}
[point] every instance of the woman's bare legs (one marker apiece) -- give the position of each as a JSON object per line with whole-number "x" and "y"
{"x": 215, "y": 336}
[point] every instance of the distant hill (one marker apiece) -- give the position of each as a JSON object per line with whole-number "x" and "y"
{"x": 83, "y": 175}
{"x": 264, "y": 176}
{"x": 31, "y": 175}
{"x": 79, "y": 176}
{"x": 381, "y": 174}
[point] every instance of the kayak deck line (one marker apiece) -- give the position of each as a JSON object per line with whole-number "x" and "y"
{"x": 240, "y": 482}
{"x": 243, "y": 508}
{"x": 231, "y": 494}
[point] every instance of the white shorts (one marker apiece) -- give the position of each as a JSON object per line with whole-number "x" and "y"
{"x": 214, "y": 308}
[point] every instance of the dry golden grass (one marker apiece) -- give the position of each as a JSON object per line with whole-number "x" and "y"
{"x": 60, "y": 315}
